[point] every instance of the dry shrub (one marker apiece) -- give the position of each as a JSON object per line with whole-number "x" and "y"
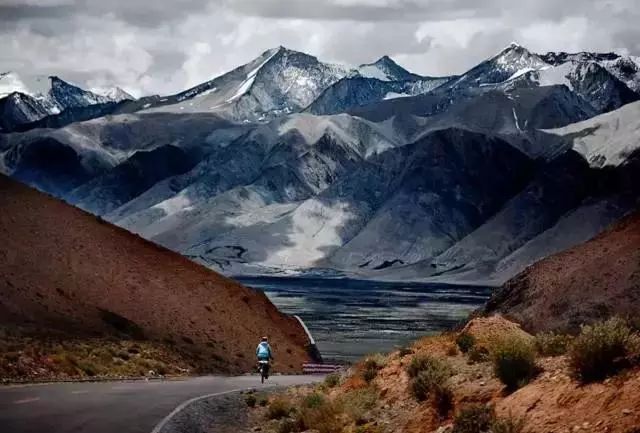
{"x": 465, "y": 342}
{"x": 602, "y": 349}
{"x": 326, "y": 418}
{"x": 332, "y": 380}
{"x": 371, "y": 365}
{"x": 429, "y": 377}
{"x": 478, "y": 354}
{"x": 250, "y": 400}
{"x": 279, "y": 407}
{"x": 552, "y": 344}
{"x": 509, "y": 424}
{"x": 475, "y": 418}
{"x": 514, "y": 361}
{"x": 357, "y": 403}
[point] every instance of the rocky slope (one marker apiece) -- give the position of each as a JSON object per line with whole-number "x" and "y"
{"x": 68, "y": 272}
{"x": 378, "y": 394}
{"x": 591, "y": 281}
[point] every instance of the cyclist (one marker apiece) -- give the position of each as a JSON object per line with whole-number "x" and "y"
{"x": 264, "y": 353}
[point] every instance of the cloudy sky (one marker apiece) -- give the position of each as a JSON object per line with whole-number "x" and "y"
{"x": 163, "y": 46}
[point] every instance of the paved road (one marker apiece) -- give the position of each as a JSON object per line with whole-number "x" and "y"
{"x": 111, "y": 407}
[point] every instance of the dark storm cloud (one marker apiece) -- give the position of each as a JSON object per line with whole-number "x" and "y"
{"x": 403, "y": 10}
{"x": 22, "y": 12}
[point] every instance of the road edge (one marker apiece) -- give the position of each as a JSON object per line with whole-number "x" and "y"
{"x": 182, "y": 406}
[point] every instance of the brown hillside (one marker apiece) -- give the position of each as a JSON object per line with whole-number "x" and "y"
{"x": 591, "y": 281}
{"x": 553, "y": 401}
{"x": 64, "y": 270}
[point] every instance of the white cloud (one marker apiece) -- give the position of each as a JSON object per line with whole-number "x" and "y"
{"x": 164, "y": 47}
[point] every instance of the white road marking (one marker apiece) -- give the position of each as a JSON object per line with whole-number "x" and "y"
{"x": 79, "y": 392}
{"x": 26, "y": 400}
{"x": 158, "y": 428}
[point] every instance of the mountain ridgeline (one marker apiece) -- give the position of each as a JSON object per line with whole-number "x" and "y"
{"x": 291, "y": 165}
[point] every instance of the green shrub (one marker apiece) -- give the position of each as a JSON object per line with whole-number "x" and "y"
{"x": 324, "y": 418}
{"x": 263, "y": 401}
{"x": 507, "y": 425}
{"x": 514, "y": 361}
{"x": 426, "y": 362}
{"x": 465, "y": 342}
{"x": 434, "y": 383}
{"x": 478, "y": 354}
{"x": 602, "y": 349}
{"x": 429, "y": 378}
{"x": 332, "y": 380}
{"x": 250, "y": 400}
{"x": 368, "y": 374}
{"x": 279, "y": 408}
{"x": 552, "y": 344}
{"x": 474, "y": 418}
{"x": 288, "y": 426}
{"x": 371, "y": 366}
{"x": 89, "y": 368}
{"x": 358, "y": 402}
{"x": 313, "y": 400}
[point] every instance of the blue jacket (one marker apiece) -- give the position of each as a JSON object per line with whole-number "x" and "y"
{"x": 263, "y": 351}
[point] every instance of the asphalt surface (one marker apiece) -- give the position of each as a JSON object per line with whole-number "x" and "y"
{"x": 112, "y": 407}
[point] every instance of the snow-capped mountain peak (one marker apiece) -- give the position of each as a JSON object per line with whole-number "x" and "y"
{"x": 517, "y": 56}
{"x": 115, "y": 94}
{"x": 278, "y": 81}
{"x": 383, "y": 69}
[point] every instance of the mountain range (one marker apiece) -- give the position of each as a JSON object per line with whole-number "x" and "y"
{"x": 291, "y": 165}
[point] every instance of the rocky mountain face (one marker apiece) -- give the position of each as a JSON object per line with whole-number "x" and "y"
{"x": 25, "y": 101}
{"x": 288, "y": 164}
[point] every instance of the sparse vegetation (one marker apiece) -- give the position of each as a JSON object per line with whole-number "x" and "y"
{"x": 509, "y": 424}
{"x": 478, "y": 418}
{"x": 313, "y": 400}
{"x": 288, "y": 426}
{"x": 514, "y": 361}
{"x": 332, "y": 380}
{"x": 465, "y": 342}
{"x": 263, "y": 401}
{"x": 48, "y": 355}
{"x": 474, "y": 418}
{"x": 358, "y": 402}
{"x": 602, "y": 349}
{"x": 429, "y": 378}
{"x": 421, "y": 363}
{"x": 325, "y": 418}
{"x": 250, "y": 400}
{"x": 279, "y": 407}
{"x": 478, "y": 354}
{"x": 371, "y": 365}
{"x": 552, "y": 344}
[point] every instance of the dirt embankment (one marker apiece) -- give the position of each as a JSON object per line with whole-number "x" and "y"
{"x": 69, "y": 272}
{"x": 591, "y": 281}
{"x": 385, "y": 401}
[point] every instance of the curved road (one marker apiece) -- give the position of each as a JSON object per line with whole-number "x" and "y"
{"x": 112, "y": 407}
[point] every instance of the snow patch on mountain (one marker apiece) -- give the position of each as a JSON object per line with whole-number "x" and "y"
{"x": 608, "y": 139}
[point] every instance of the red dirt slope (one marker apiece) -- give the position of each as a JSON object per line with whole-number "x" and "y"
{"x": 594, "y": 280}
{"x": 66, "y": 270}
